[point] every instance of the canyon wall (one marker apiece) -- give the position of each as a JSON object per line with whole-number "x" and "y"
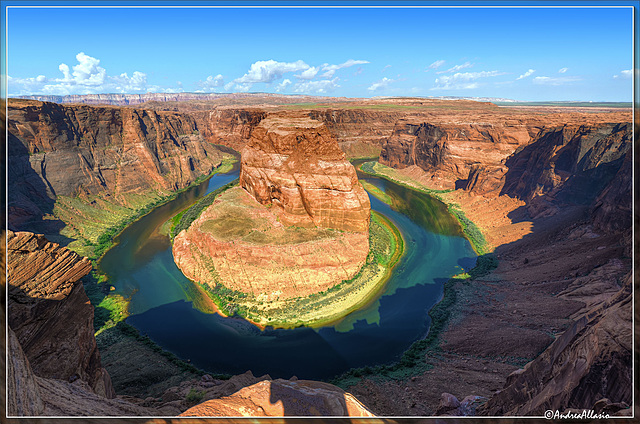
{"x": 117, "y": 154}
{"x": 50, "y": 312}
{"x": 360, "y": 132}
{"x": 228, "y": 126}
{"x": 296, "y": 165}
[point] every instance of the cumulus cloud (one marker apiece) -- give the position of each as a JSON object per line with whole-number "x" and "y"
{"x": 330, "y": 70}
{"x": 384, "y": 82}
{"x": 627, "y": 73}
{"x": 436, "y": 64}
{"x": 284, "y": 84}
{"x": 270, "y": 70}
{"x": 562, "y": 70}
{"x": 526, "y": 74}
{"x": 211, "y": 82}
{"x": 316, "y": 87}
{"x": 462, "y": 80}
{"x": 555, "y": 81}
{"x": 86, "y": 77}
{"x": 456, "y": 68}
{"x": 309, "y": 73}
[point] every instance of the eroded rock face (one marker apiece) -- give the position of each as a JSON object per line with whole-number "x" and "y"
{"x": 589, "y": 362}
{"x": 79, "y": 150}
{"x": 50, "y": 312}
{"x": 449, "y": 151}
{"x": 572, "y": 163}
{"x": 296, "y": 165}
{"x": 279, "y": 398}
{"x": 241, "y": 244}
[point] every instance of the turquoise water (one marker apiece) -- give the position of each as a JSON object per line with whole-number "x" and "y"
{"x": 166, "y": 306}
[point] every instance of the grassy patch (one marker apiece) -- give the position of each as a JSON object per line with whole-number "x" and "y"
{"x": 377, "y": 193}
{"x": 188, "y": 216}
{"x": 469, "y": 228}
{"x": 385, "y": 249}
{"x": 414, "y": 360}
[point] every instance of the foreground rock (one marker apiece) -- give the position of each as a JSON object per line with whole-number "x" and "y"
{"x": 589, "y": 362}
{"x": 296, "y": 165}
{"x": 50, "y": 312}
{"x": 279, "y": 398}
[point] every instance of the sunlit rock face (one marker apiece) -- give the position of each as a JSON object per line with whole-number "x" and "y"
{"x": 296, "y": 165}
{"x": 279, "y": 398}
{"x": 50, "y": 312}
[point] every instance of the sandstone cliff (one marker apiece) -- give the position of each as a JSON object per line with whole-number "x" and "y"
{"x": 117, "y": 154}
{"x": 569, "y": 164}
{"x": 448, "y": 152}
{"x": 296, "y": 165}
{"x": 589, "y": 362}
{"x": 50, "y": 312}
{"x": 360, "y": 132}
{"x": 228, "y": 126}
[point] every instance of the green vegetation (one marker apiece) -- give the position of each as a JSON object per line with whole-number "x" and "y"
{"x": 194, "y": 396}
{"x": 627, "y": 105}
{"x": 184, "y": 219}
{"x": 93, "y": 221}
{"x": 469, "y": 228}
{"x": 385, "y": 249}
{"x": 416, "y": 359}
{"x": 377, "y": 193}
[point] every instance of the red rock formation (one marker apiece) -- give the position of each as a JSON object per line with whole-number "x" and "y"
{"x": 50, "y": 312}
{"x": 241, "y": 244}
{"x": 572, "y": 163}
{"x": 229, "y": 127}
{"x": 109, "y": 151}
{"x": 589, "y": 362}
{"x": 279, "y": 398}
{"x": 360, "y": 132}
{"x": 296, "y": 165}
{"x": 449, "y": 151}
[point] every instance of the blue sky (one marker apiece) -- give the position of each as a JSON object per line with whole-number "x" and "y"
{"x": 530, "y": 54}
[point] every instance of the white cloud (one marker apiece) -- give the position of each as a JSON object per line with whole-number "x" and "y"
{"x": 456, "y": 68}
{"x": 211, "y": 82}
{"x": 269, "y": 70}
{"x": 284, "y": 84}
{"x": 526, "y": 74}
{"x": 555, "y": 81}
{"x": 562, "y": 70}
{"x": 627, "y": 73}
{"x": 384, "y": 82}
{"x": 462, "y": 80}
{"x": 309, "y": 73}
{"x": 331, "y": 69}
{"x": 86, "y": 77}
{"x": 316, "y": 87}
{"x": 436, "y": 64}
{"x": 386, "y": 67}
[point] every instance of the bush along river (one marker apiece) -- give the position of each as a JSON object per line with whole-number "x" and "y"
{"x": 177, "y": 315}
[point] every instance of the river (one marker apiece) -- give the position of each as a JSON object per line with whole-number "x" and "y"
{"x": 174, "y": 312}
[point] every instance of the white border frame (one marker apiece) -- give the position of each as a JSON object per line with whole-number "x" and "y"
{"x": 299, "y": 6}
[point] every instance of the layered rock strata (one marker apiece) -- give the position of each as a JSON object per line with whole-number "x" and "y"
{"x": 241, "y": 244}
{"x": 50, "y": 312}
{"x": 296, "y": 165}
{"x": 87, "y": 151}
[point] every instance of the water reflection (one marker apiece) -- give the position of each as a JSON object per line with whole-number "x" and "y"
{"x": 175, "y": 313}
